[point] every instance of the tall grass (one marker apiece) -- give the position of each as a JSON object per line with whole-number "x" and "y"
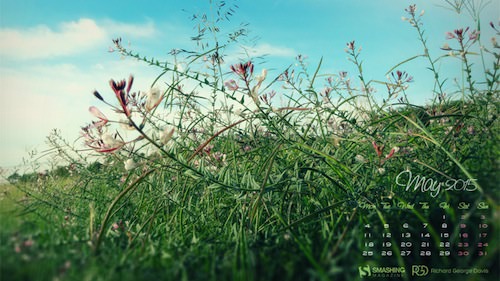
{"x": 220, "y": 172}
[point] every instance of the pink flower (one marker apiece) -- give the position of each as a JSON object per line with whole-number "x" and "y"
{"x": 121, "y": 94}
{"x": 99, "y": 141}
{"x": 97, "y": 113}
{"x": 244, "y": 70}
{"x": 474, "y": 35}
{"x": 231, "y": 85}
{"x": 401, "y": 77}
{"x": 350, "y": 45}
{"x": 378, "y": 149}
{"x": 457, "y": 34}
{"x": 411, "y": 9}
{"x": 388, "y": 156}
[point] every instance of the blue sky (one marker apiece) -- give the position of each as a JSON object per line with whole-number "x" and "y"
{"x": 53, "y": 54}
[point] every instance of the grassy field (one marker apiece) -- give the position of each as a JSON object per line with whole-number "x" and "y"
{"x": 241, "y": 187}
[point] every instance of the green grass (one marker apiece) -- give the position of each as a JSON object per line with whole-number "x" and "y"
{"x": 276, "y": 192}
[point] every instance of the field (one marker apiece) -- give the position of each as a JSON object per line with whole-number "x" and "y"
{"x": 228, "y": 174}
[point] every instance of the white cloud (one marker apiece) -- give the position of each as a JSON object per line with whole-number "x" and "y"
{"x": 266, "y": 49}
{"x": 43, "y": 42}
{"x": 115, "y": 29}
{"x": 70, "y": 38}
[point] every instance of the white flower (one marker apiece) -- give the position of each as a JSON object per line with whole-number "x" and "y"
{"x": 110, "y": 141}
{"x": 238, "y": 111}
{"x": 381, "y": 171}
{"x": 359, "y": 159}
{"x": 130, "y": 164}
{"x": 255, "y": 90}
{"x": 153, "y": 98}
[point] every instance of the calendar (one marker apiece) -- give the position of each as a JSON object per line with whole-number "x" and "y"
{"x": 448, "y": 237}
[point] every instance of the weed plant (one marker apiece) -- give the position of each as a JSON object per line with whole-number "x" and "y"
{"x": 220, "y": 172}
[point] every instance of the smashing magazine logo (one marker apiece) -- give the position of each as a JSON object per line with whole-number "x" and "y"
{"x": 364, "y": 271}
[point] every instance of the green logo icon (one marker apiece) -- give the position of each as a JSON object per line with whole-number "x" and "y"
{"x": 419, "y": 270}
{"x": 364, "y": 271}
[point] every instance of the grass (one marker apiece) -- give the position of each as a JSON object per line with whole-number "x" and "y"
{"x": 240, "y": 187}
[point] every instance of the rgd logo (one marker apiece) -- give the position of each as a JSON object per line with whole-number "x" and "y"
{"x": 419, "y": 270}
{"x": 364, "y": 271}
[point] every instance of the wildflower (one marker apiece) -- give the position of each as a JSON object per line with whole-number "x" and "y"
{"x": 117, "y": 225}
{"x": 343, "y": 74}
{"x": 97, "y": 113}
{"x": 411, "y": 9}
{"x": 471, "y": 130}
{"x": 360, "y": 159}
{"x": 219, "y": 156}
{"x": 207, "y": 149}
{"x": 326, "y": 91}
{"x": 244, "y": 70}
{"x": 117, "y": 41}
{"x": 121, "y": 95}
{"x": 153, "y": 99}
{"x": 166, "y": 135}
{"x": 474, "y": 35}
{"x": 494, "y": 28}
{"x": 130, "y": 164}
{"x": 266, "y": 98}
{"x": 240, "y": 112}
{"x": 255, "y": 90}
{"x": 98, "y": 96}
{"x": 381, "y": 170}
{"x": 391, "y": 153}
{"x": 110, "y": 141}
{"x": 401, "y": 77}
{"x": 350, "y": 46}
{"x": 231, "y": 85}
{"x": 378, "y": 149}
{"x": 459, "y": 34}
{"x": 262, "y": 76}
{"x": 99, "y": 141}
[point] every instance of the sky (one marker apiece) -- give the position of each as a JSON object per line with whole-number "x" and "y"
{"x": 54, "y": 54}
